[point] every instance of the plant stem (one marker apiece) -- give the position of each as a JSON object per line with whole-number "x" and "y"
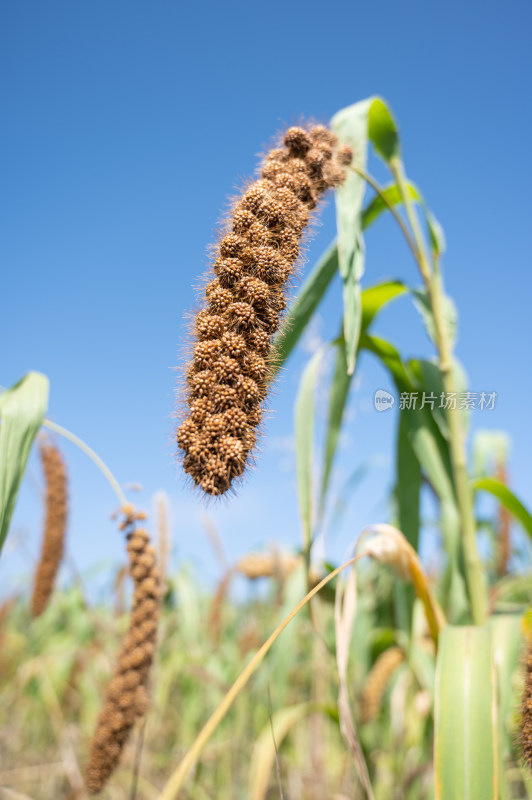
{"x": 432, "y": 281}
{"x": 94, "y": 457}
{"x": 375, "y": 186}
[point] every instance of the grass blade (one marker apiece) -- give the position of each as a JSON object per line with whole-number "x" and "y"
{"x": 264, "y": 751}
{"x": 377, "y": 205}
{"x": 432, "y": 452}
{"x": 427, "y": 440}
{"x": 373, "y": 300}
{"x": 507, "y": 639}
{"x": 339, "y": 391}
{"x": 408, "y": 486}
{"x": 304, "y": 436}
{"x": 22, "y": 410}
{"x": 465, "y": 755}
{"x": 345, "y": 605}
{"x": 305, "y": 304}
{"x": 382, "y": 130}
{"x": 450, "y": 314}
{"x": 176, "y": 780}
{"x": 508, "y": 499}
{"x": 351, "y": 126}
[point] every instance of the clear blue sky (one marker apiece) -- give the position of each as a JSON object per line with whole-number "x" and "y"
{"x": 126, "y": 126}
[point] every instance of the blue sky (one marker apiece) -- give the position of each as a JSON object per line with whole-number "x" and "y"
{"x": 126, "y": 127}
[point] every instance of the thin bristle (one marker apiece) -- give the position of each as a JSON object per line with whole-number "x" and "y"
{"x": 54, "y": 527}
{"x": 126, "y": 697}
{"x": 232, "y": 365}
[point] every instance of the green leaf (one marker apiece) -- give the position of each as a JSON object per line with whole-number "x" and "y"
{"x": 508, "y": 499}
{"x": 465, "y": 747}
{"x": 408, "y": 486}
{"x": 264, "y": 752}
{"x": 304, "y": 306}
{"x": 507, "y": 639}
{"x": 392, "y": 194}
{"x": 407, "y": 500}
{"x": 430, "y": 379}
{"x": 351, "y": 126}
{"x": 352, "y": 314}
{"x": 450, "y": 314}
{"x": 436, "y": 232}
{"x": 382, "y": 130}
{"x": 304, "y": 436}
{"x": 373, "y": 300}
{"x": 22, "y": 410}
{"x": 427, "y": 441}
{"x": 339, "y": 391}
{"x": 432, "y": 452}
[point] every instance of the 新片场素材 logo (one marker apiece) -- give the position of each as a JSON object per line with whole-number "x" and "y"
{"x": 383, "y": 400}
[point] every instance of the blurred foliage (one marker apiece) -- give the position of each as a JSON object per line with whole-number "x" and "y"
{"x": 54, "y": 670}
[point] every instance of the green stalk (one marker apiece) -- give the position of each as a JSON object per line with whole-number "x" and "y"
{"x": 432, "y": 281}
{"x": 94, "y": 457}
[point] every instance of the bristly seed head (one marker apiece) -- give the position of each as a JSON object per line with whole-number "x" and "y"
{"x": 525, "y": 733}
{"x": 126, "y": 697}
{"x": 233, "y": 358}
{"x": 54, "y": 527}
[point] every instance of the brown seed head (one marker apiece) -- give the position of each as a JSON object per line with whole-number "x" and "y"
{"x": 232, "y": 364}
{"x": 54, "y": 527}
{"x": 126, "y": 697}
{"x": 267, "y": 565}
{"x": 377, "y": 681}
{"x": 525, "y": 733}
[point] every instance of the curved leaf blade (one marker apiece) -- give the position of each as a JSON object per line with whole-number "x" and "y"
{"x": 271, "y": 737}
{"x": 408, "y": 486}
{"x": 304, "y": 306}
{"x": 373, "y": 300}
{"x": 22, "y": 410}
{"x": 508, "y": 499}
{"x": 304, "y": 436}
{"x": 450, "y": 314}
{"x": 351, "y": 126}
{"x": 377, "y": 205}
{"x": 339, "y": 391}
{"x": 382, "y": 130}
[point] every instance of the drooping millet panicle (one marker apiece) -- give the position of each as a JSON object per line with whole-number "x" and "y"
{"x": 56, "y": 502}
{"x": 126, "y": 697}
{"x": 504, "y": 521}
{"x": 214, "y": 620}
{"x": 525, "y": 732}
{"x": 232, "y": 363}
{"x": 377, "y": 681}
{"x": 267, "y": 565}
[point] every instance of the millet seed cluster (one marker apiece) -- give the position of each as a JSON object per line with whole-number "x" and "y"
{"x": 126, "y": 697}
{"x": 231, "y": 368}
{"x": 526, "y": 708}
{"x": 54, "y": 527}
